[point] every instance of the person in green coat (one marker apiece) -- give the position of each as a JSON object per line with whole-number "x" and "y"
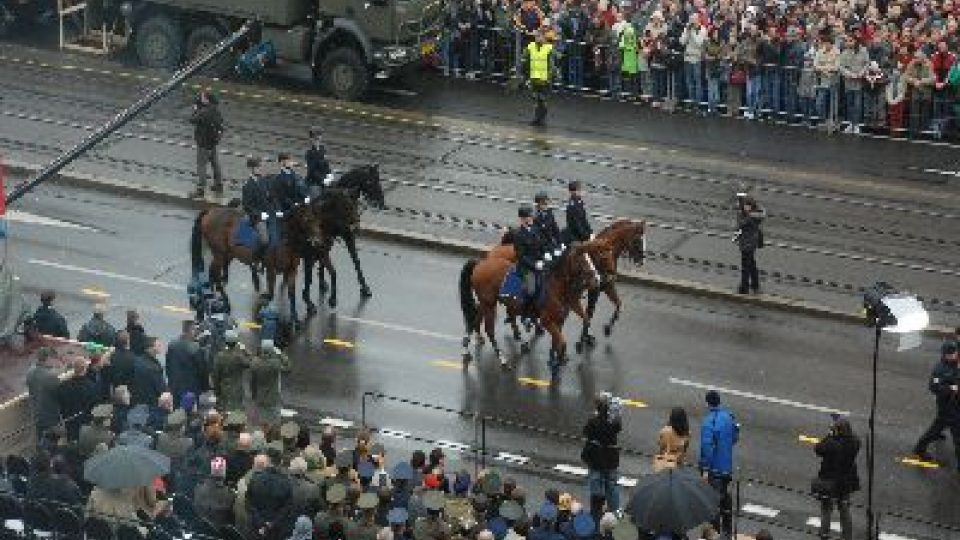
{"x": 265, "y": 373}
{"x": 228, "y": 367}
{"x": 629, "y": 59}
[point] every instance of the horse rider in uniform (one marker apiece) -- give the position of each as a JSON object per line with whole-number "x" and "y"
{"x": 258, "y": 205}
{"x": 529, "y": 250}
{"x": 288, "y": 187}
{"x": 578, "y": 226}
{"x": 539, "y": 59}
{"x": 546, "y": 225}
{"x": 317, "y": 165}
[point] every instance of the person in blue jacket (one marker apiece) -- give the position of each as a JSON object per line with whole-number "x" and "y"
{"x": 719, "y": 433}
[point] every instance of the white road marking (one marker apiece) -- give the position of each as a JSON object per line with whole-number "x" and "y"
{"x": 623, "y": 481}
{"x": 400, "y": 328}
{"x": 815, "y": 522}
{"x": 394, "y": 434}
{"x": 512, "y": 458}
{"x": 33, "y": 219}
{"x": 570, "y": 469}
{"x": 891, "y": 536}
{"x": 760, "y": 510}
{"x": 758, "y": 397}
{"x": 945, "y": 173}
{"x": 287, "y": 413}
{"x": 105, "y": 274}
{"x": 455, "y": 446}
{"x": 336, "y": 422}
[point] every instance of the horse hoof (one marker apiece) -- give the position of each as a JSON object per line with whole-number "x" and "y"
{"x": 504, "y": 364}
{"x": 607, "y": 330}
{"x": 524, "y": 348}
{"x": 332, "y": 303}
{"x": 366, "y": 292}
{"x": 311, "y": 310}
{"x": 590, "y": 340}
{"x": 467, "y": 358}
{"x": 579, "y": 347}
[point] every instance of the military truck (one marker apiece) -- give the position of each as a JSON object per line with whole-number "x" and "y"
{"x": 346, "y": 43}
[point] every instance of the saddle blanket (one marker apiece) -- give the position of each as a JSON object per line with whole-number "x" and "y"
{"x": 512, "y": 287}
{"x": 246, "y": 234}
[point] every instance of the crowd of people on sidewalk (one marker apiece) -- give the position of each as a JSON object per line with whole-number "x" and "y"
{"x": 888, "y": 66}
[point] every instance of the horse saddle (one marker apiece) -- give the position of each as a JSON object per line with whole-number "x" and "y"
{"x": 512, "y": 287}
{"x": 246, "y": 234}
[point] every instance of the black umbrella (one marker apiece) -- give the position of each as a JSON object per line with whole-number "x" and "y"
{"x": 673, "y": 500}
{"x": 125, "y": 466}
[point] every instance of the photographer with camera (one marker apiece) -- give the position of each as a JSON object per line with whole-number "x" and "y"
{"x": 749, "y": 239}
{"x": 601, "y": 454}
{"x": 838, "y": 477}
{"x": 945, "y": 384}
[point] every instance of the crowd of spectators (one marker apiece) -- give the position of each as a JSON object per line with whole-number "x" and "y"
{"x": 887, "y": 66}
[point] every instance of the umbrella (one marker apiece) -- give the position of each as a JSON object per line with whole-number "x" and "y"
{"x": 125, "y": 466}
{"x": 673, "y": 500}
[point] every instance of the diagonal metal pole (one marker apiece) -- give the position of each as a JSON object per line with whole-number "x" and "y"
{"x": 130, "y": 113}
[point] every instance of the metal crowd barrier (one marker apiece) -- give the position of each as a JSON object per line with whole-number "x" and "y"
{"x": 482, "y": 450}
{"x": 491, "y": 53}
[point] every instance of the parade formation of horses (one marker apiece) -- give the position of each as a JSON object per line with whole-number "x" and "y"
{"x": 338, "y": 211}
{"x": 217, "y": 227}
{"x": 577, "y": 270}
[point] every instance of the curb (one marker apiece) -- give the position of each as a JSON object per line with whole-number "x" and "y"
{"x": 473, "y": 249}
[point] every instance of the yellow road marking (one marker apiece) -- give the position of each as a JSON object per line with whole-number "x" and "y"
{"x": 338, "y": 343}
{"x": 449, "y": 364}
{"x": 634, "y": 403}
{"x": 248, "y": 325}
{"x": 808, "y": 439}
{"x": 177, "y": 309}
{"x": 95, "y": 292}
{"x": 533, "y": 382}
{"x": 915, "y": 462}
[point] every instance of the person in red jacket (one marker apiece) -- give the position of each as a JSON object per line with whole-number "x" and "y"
{"x": 942, "y": 61}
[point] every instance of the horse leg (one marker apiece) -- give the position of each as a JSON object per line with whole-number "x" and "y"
{"x": 558, "y": 350}
{"x": 328, "y": 263}
{"x": 351, "y": 243}
{"x": 255, "y": 278}
{"x": 488, "y": 311}
{"x": 290, "y": 281}
{"x": 615, "y": 298}
{"x": 307, "y": 283}
{"x": 217, "y": 270}
{"x": 593, "y": 295}
{"x": 582, "y": 341}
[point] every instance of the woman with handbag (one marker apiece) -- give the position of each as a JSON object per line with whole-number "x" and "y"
{"x": 838, "y": 477}
{"x": 673, "y": 442}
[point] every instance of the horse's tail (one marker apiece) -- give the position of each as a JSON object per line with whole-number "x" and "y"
{"x": 468, "y": 303}
{"x": 196, "y": 244}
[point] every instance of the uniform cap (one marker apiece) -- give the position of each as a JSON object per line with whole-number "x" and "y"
{"x": 397, "y": 516}
{"x": 176, "y": 419}
{"x": 511, "y": 511}
{"x": 104, "y": 410}
{"x": 236, "y": 419}
{"x": 336, "y": 494}
{"x": 624, "y": 530}
{"x": 525, "y": 211}
{"x": 368, "y": 501}
{"x": 433, "y": 501}
{"x": 289, "y": 430}
{"x": 583, "y": 525}
{"x": 284, "y": 156}
{"x": 253, "y": 162}
{"x": 402, "y": 471}
{"x": 541, "y": 196}
{"x": 574, "y": 185}
{"x": 314, "y": 131}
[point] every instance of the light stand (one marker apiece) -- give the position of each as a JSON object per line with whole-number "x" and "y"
{"x": 885, "y": 309}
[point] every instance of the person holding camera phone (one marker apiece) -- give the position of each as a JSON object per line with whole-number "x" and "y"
{"x": 838, "y": 477}
{"x": 601, "y": 453}
{"x": 749, "y": 238}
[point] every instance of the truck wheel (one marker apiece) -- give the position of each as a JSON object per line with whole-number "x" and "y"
{"x": 159, "y": 42}
{"x": 345, "y": 74}
{"x": 201, "y": 41}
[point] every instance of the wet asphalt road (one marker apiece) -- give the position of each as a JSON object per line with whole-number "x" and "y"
{"x": 787, "y": 371}
{"x": 830, "y": 230}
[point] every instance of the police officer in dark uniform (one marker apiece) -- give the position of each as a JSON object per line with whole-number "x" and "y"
{"x": 529, "y": 249}
{"x": 257, "y": 204}
{"x": 317, "y": 165}
{"x": 945, "y": 385}
{"x": 288, "y": 188}
{"x": 546, "y": 225}
{"x": 578, "y": 226}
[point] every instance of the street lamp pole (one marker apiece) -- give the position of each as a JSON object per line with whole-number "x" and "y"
{"x": 871, "y": 443}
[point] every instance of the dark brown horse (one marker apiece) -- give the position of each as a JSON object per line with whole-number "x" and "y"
{"x": 217, "y": 227}
{"x": 480, "y": 281}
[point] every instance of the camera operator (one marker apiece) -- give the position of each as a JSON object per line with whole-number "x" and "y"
{"x": 749, "y": 238}
{"x": 945, "y": 384}
{"x": 602, "y": 455}
{"x": 838, "y": 477}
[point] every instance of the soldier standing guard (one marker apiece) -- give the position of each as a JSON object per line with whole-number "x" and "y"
{"x": 228, "y": 367}
{"x": 546, "y": 225}
{"x": 578, "y": 225}
{"x": 265, "y": 373}
{"x": 257, "y": 205}
{"x": 317, "y": 165}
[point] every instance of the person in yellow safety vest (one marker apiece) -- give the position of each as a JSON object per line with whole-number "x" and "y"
{"x": 540, "y": 65}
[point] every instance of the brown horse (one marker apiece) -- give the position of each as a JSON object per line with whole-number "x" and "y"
{"x": 623, "y": 237}
{"x": 218, "y": 226}
{"x": 480, "y": 281}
